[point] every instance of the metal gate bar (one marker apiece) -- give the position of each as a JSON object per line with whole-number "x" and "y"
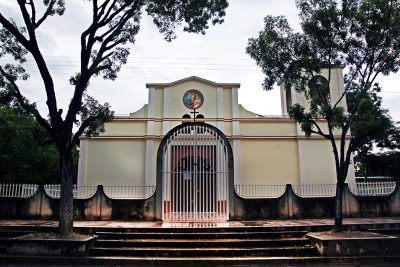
{"x": 195, "y": 176}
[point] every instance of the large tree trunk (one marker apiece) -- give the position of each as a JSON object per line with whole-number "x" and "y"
{"x": 66, "y": 219}
{"x": 338, "y": 207}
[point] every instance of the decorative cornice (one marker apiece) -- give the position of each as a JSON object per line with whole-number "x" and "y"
{"x": 252, "y": 120}
{"x": 192, "y": 78}
{"x": 235, "y": 137}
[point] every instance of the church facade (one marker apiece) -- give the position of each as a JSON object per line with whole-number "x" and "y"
{"x": 193, "y": 141}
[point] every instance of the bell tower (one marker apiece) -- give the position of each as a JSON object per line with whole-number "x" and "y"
{"x": 334, "y": 90}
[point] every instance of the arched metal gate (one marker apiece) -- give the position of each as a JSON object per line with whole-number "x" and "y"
{"x": 195, "y": 175}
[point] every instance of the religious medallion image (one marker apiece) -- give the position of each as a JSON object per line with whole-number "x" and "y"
{"x": 193, "y": 99}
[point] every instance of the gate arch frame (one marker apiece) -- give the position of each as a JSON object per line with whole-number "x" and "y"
{"x": 160, "y": 159}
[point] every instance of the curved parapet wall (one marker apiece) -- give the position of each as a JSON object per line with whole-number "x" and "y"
{"x": 249, "y": 191}
{"x": 314, "y": 190}
{"x": 372, "y": 189}
{"x": 269, "y": 204}
{"x": 79, "y": 192}
{"x": 129, "y": 191}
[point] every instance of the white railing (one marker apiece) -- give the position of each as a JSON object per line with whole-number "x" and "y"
{"x": 382, "y": 188}
{"x": 260, "y": 191}
{"x": 374, "y": 178}
{"x": 314, "y": 190}
{"x": 79, "y": 192}
{"x": 129, "y": 191}
{"x": 18, "y": 190}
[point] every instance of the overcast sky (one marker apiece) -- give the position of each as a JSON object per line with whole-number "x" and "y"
{"x": 217, "y": 56}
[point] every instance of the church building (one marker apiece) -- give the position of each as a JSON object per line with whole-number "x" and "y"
{"x": 194, "y": 142}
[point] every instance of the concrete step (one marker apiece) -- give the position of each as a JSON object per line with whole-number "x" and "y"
{"x": 211, "y": 229}
{"x": 13, "y": 233}
{"x": 196, "y": 234}
{"x": 192, "y": 242}
{"x": 204, "y": 252}
{"x": 5, "y": 235}
{"x": 391, "y": 232}
{"x": 317, "y": 261}
{"x": 203, "y": 243}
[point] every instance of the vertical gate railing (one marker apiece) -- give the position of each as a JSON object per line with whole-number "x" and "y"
{"x": 195, "y": 176}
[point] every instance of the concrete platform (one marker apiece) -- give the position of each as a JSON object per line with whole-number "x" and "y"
{"x": 137, "y": 243}
{"x": 354, "y": 243}
{"x": 349, "y": 223}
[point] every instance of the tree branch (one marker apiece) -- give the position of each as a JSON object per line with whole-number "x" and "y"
{"x": 88, "y": 40}
{"x": 32, "y": 46}
{"x": 14, "y": 31}
{"x": 98, "y": 69}
{"x": 45, "y": 15}
{"x": 81, "y": 129}
{"x": 25, "y": 105}
{"x": 110, "y": 16}
{"x": 27, "y": 20}
{"x": 104, "y": 6}
{"x": 33, "y": 11}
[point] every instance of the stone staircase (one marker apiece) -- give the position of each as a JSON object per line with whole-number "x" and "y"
{"x": 195, "y": 246}
{"x": 202, "y": 243}
{"x": 7, "y": 234}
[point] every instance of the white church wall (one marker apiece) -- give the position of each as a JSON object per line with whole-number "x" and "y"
{"x": 317, "y": 164}
{"x": 115, "y": 162}
{"x": 244, "y": 113}
{"x": 227, "y": 128}
{"x": 141, "y": 113}
{"x": 266, "y": 150}
{"x": 268, "y": 127}
{"x": 158, "y": 104}
{"x": 125, "y": 127}
{"x": 176, "y": 92}
{"x": 227, "y": 103}
{"x": 269, "y": 161}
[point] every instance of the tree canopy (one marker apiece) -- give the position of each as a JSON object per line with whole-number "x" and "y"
{"x": 386, "y": 164}
{"x": 360, "y": 36}
{"x": 104, "y": 50}
{"x": 23, "y": 155}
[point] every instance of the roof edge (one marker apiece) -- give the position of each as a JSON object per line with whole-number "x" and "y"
{"x": 193, "y": 78}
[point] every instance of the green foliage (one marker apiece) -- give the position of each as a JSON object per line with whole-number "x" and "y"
{"x": 104, "y": 50}
{"x": 380, "y": 164}
{"x": 360, "y": 36}
{"x": 372, "y": 124}
{"x": 99, "y": 114}
{"x": 23, "y": 155}
{"x": 373, "y": 127}
{"x": 194, "y": 14}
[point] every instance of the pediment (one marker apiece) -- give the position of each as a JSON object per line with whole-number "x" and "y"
{"x": 190, "y": 79}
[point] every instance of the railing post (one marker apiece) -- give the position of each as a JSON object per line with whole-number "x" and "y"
{"x": 289, "y": 196}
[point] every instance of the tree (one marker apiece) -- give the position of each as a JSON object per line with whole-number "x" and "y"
{"x": 381, "y": 164}
{"x": 24, "y": 156}
{"x": 372, "y": 128}
{"x": 363, "y": 36}
{"x": 104, "y": 49}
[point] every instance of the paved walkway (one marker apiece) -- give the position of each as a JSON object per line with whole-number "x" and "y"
{"x": 395, "y": 221}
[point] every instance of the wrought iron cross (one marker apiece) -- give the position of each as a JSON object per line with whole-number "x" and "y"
{"x": 194, "y": 114}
